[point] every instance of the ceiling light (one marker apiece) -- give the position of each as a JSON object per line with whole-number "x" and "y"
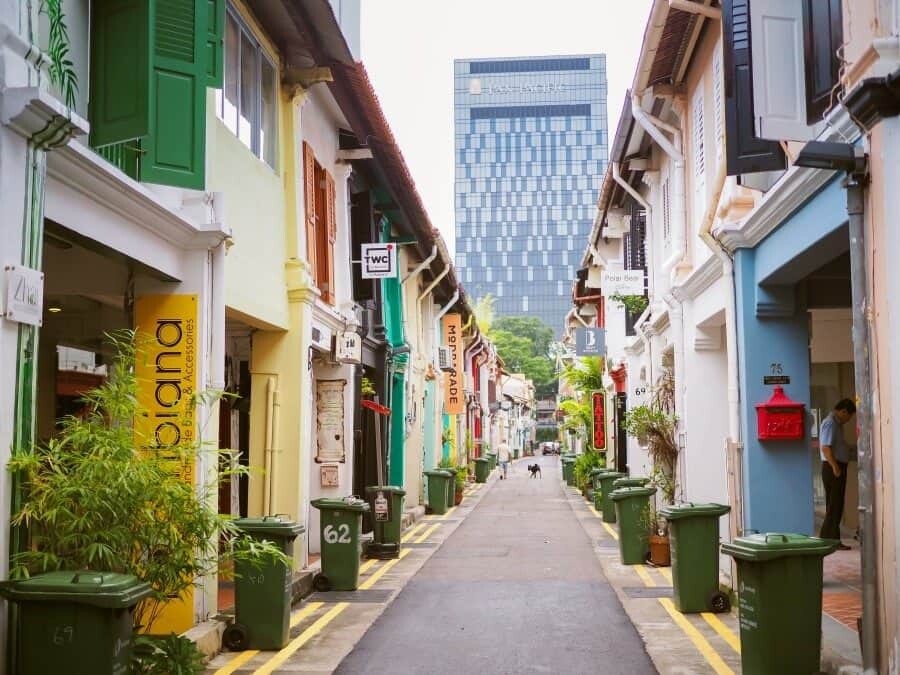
{"x": 54, "y": 308}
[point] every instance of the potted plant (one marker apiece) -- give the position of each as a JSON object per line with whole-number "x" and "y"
{"x": 367, "y": 387}
{"x": 584, "y": 464}
{"x": 462, "y": 473}
{"x": 657, "y": 537}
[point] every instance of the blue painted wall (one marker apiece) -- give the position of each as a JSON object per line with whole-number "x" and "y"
{"x": 773, "y": 328}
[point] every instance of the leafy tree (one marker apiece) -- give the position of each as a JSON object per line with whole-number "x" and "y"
{"x": 585, "y": 375}
{"x": 484, "y": 312}
{"x": 523, "y": 343}
{"x": 529, "y": 327}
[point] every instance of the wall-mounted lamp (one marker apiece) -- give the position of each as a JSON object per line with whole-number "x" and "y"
{"x": 54, "y": 307}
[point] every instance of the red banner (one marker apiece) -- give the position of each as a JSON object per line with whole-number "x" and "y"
{"x": 598, "y": 408}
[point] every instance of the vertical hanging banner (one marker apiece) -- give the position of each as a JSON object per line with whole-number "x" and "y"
{"x": 598, "y": 413}
{"x": 453, "y": 384}
{"x": 166, "y": 371}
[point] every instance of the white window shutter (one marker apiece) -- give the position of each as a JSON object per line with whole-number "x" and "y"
{"x": 779, "y": 89}
{"x": 718, "y": 104}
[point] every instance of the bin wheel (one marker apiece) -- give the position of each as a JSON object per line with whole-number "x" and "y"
{"x": 719, "y": 602}
{"x": 321, "y": 583}
{"x": 235, "y": 638}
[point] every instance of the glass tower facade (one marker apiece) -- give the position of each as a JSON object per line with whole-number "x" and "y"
{"x": 531, "y": 149}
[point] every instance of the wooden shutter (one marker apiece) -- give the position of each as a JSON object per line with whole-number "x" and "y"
{"x": 215, "y": 41}
{"x": 309, "y": 201}
{"x": 120, "y": 71}
{"x": 745, "y": 153}
{"x": 176, "y": 148}
{"x": 331, "y": 225}
{"x": 823, "y": 32}
{"x": 779, "y": 103}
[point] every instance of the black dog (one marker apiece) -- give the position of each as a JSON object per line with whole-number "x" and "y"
{"x": 535, "y": 470}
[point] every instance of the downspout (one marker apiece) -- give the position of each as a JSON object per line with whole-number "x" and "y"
{"x": 855, "y": 185}
{"x": 676, "y": 317}
{"x": 654, "y": 127}
{"x": 272, "y": 406}
{"x": 422, "y": 265}
{"x": 648, "y": 250}
{"x": 412, "y": 276}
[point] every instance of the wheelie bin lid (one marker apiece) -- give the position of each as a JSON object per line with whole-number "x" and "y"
{"x": 629, "y": 492}
{"x": 277, "y": 526}
{"x": 393, "y": 489}
{"x": 596, "y": 471}
{"x": 340, "y": 504}
{"x": 612, "y": 475}
{"x": 435, "y": 472}
{"x": 690, "y": 510}
{"x": 110, "y": 590}
{"x": 482, "y": 459}
{"x": 630, "y": 482}
{"x": 773, "y": 545}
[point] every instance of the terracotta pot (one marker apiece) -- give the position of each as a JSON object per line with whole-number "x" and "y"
{"x": 458, "y": 497}
{"x": 659, "y": 550}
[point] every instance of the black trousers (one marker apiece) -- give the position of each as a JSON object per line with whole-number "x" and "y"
{"x": 835, "y": 486}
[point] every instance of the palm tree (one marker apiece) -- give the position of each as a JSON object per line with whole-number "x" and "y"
{"x": 585, "y": 375}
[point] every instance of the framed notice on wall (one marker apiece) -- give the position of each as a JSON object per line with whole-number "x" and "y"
{"x": 330, "y": 421}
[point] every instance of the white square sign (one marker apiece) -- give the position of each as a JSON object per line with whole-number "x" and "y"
{"x": 622, "y": 282}
{"x": 379, "y": 261}
{"x": 24, "y": 295}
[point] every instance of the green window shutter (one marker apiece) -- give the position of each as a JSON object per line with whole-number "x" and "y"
{"x": 215, "y": 41}
{"x": 120, "y": 74}
{"x": 175, "y": 150}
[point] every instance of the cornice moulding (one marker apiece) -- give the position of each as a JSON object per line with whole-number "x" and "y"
{"x": 699, "y": 280}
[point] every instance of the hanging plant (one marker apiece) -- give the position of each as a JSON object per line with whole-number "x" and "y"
{"x": 367, "y": 387}
{"x": 61, "y": 70}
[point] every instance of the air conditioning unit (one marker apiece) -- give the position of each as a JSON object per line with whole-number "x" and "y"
{"x": 445, "y": 359}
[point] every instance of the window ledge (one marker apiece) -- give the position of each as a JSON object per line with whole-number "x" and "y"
{"x": 37, "y": 115}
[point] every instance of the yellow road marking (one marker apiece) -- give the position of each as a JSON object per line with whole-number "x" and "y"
{"x": 409, "y": 535}
{"x": 595, "y": 511}
{"x": 237, "y": 662}
{"x": 612, "y": 532}
{"x": 366, "y": 566}
{"x": 382, "y": 571}
{"x": 666, "y": 572}
{"x": 712, "y": 657}
{"x": 243, "y": 657}
{"x": 645, "y": 576}
{"x": 724, "y": 631}
{"x": 301, "y": 639}
{"x": 428, "y": 533}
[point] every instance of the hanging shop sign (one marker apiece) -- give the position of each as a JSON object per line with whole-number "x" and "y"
{"x": 379, "y": 261}
{"x": 166, "y": 372}
{"x": 348, "y": 347}
{"x": 321, "y": 337}
{"x": 590, "y": 342}
{"x": 24, "y": 295}
{"x": 622, "y": 282}
{"x": 330, "y": 421}
{"x": 598, "y": 414}
{"x": 454, "y": 403}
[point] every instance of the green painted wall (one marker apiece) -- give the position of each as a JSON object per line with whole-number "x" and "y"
{"x": 393, "y": 322}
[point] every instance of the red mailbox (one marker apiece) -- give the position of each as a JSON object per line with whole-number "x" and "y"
{"x": 780, "y": 418}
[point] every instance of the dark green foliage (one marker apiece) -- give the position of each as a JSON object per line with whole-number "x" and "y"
{"x": 61, "y": 70}
{"x": 166, "y": 655}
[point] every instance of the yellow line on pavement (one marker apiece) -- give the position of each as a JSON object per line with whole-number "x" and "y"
{"x": 612, "y": 532}
{"x": 366, "y": 566}
{"x": 712, "y": 657}
{"x": 645, "y": 576}
{"x": 237, "y": 662}
{"x": 724, "y": 631}
{"x": 428, "y": 533}
{"x": 666, "y": 572}
{"x": 382, "y": 571}
{"x": 595, "y": 511}
{"x": 243, "y": 657}
{"x": 409, "y": 535}
{"x": 301, "y": 639}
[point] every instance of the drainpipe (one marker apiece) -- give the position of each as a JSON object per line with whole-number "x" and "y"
{"x": 676, "y": 317}
{"x": 272, "y": 406}
{"x": 422, "y": 265}
{"x": 655, "y": 127}
{"x": 648, "y": 250}
{"x": 855, "y": 185}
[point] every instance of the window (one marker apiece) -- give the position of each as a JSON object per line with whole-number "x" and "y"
{"x": 248, "y": 104}
{"x": 321, "y": 223}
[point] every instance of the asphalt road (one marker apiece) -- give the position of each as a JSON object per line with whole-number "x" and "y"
{"x": 515, "y": 589}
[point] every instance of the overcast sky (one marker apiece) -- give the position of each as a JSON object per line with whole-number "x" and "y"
{"x": 408, "y": 47}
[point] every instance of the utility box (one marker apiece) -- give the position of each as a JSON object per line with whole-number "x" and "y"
{"x": 780, "y": 418}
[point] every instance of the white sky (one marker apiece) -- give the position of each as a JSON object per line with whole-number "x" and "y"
{"x": 408, "y": 47}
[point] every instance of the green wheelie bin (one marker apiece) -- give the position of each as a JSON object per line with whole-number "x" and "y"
{"x": 451, "y": 488}
{"x": 340, "y": 529}
{"x": 482, "y": 469}
{"x": 75, "y": 622}
{"x": 493, "y": 457}
{"x": 262, "y": 593}
{"x": 694, "y": 540}
{"x": 437, "y": 490}
{"x": 629, "y": 482}
{"x": 386, "y": 504}
{"x": 780, "y": 600}
{"x": 568, "y": 470}
{"x": 595, "y": 476}
{"x": 607, "y": 508}
{"x": 631, "y": 504}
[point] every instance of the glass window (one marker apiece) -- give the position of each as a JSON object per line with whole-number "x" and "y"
{"x": 228, "y": 111}
{"x": 267, "y": 131}
{"x": 249, "y": 91}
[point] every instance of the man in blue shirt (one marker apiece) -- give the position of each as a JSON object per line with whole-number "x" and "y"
{"x": 835, "y": 456}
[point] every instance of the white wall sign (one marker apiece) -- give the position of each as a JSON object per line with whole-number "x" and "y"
{"x": 330, "y": 420}
{"x": 622, "y": 282}
{"x": 348, "y": 347}
{"x": 24, "y": 295}
{"x": 379, "y": 261}
{"x": 590, "y": 342}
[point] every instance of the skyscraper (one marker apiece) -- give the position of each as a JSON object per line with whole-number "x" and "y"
{"x": 530, "y": 148}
